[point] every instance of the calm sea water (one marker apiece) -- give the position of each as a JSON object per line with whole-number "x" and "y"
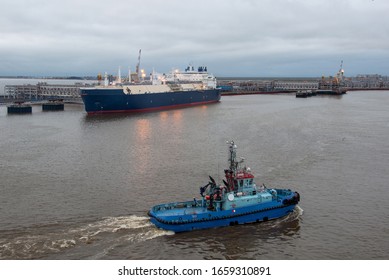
{"x": 79, "y": 187}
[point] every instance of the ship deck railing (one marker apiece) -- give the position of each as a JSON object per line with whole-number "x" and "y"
{"x": 180, "y": 208}
{"x": 178, "y": 205}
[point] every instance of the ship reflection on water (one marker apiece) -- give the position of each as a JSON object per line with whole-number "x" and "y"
{"x": 143, "y": 130}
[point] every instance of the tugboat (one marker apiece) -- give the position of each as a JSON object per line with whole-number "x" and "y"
{"x": 304, "y": 93}
{"x": 238, "y": 201}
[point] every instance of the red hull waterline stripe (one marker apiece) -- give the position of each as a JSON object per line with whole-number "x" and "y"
{"x": 152, "y": 109}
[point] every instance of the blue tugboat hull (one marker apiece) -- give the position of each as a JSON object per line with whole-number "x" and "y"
{"x": 226, "y": 221}
{"x": 189, "y": 217}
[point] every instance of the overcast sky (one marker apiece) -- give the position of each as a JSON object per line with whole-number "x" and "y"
{"x": 266, "y": 38}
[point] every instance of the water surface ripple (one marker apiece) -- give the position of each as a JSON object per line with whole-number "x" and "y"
{"x": 79, "y": 187}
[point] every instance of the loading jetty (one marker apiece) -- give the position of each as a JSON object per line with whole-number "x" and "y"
{"x": 331, "y": 85}
{"x": 42, "y": 91}
{"x": 262, "y": 86}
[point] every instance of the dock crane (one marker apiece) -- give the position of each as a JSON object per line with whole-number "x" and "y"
{"x": 340, "y": 73}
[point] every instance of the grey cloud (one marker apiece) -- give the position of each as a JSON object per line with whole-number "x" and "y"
{"x": 237, "y": 38}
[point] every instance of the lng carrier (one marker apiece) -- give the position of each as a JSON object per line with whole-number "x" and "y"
{"x": 164, "y": 91}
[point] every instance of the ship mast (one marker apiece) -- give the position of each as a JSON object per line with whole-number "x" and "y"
{"x": 138, "y": 65}
{"x": 232, "y": 156}
{"x": 231, "y": 173}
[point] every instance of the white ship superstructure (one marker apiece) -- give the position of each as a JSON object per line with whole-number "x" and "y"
{"x": 189, "y": 76}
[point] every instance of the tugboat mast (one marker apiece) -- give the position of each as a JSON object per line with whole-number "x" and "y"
{"x": 234, "y": 164}
{"x": 232, "y": 157}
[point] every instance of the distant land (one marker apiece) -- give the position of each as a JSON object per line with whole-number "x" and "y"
{"x": 218, "y": 77}
{"x": 51, "y": 77}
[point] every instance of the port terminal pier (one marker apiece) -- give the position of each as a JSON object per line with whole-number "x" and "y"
{"x": 42, "y": 91}
{"x": 236, "y": 87}
{"x": 229, "y": 86}
{"x": 241, "y": 86}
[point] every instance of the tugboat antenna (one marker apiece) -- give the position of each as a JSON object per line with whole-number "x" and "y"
{"x": 218, "y": 177}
